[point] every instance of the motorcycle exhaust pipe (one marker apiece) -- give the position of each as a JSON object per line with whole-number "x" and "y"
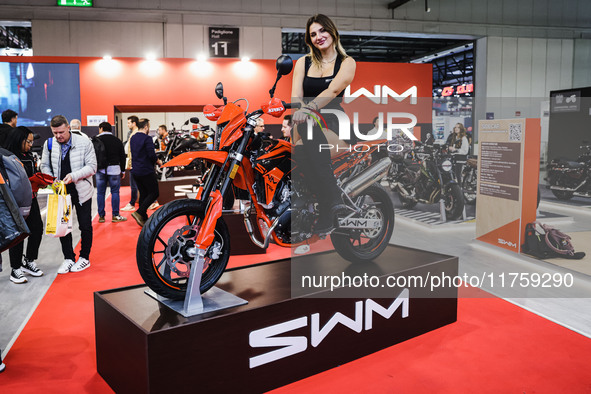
{"x": 568, "y": 189}
{"x": 370, "y": 175}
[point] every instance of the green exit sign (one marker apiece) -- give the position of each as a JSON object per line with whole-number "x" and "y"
{"x": 74, "y": 3}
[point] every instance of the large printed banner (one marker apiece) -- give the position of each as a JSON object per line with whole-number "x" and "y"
{"x": 508, "y": 172}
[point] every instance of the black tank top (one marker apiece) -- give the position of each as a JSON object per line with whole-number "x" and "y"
{"x": 313, "y": 86}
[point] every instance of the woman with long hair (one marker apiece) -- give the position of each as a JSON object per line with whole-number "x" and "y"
{"x": 20, "y": 142}
{"x": 319, "y": 81}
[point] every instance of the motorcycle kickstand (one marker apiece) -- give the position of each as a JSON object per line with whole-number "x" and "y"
{"x": 442, "y": 210}
{"x": 193, "y": 301}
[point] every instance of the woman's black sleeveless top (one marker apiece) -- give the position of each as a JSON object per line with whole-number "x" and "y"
{"x": 313, "y": 86}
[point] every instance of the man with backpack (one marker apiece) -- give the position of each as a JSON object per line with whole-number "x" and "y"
{"x": 71, "y": 158}
{"x": 111, "y": 168}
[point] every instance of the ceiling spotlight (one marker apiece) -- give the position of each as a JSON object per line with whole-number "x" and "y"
{"x": 107, "y": 57}
{"x": 201, "y": 57}
{"x": 150, "y": 57}
{"x": 245, "y": 59}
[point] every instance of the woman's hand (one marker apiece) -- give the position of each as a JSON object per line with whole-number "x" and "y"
{"x": 301, "y": 115}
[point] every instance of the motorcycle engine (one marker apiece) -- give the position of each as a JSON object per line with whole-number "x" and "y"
{"x": 280, "y": 208}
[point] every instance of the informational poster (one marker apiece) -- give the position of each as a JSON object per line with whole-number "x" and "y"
{"x": 95, "y": 120}
{"x": 565, "y": 101}
{"x": 224, "y": 42}
{"x": 508, "y": 172}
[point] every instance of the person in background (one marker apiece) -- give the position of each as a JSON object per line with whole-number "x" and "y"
{"x": 111, "y": 175}
{"x": 459, "y": 147}
{"x": 20, "y": 142}
{"x": 144, "y": 158}
{"x": 260, "y": 127}
{"x": 72, "y": 159}
{"x": 76, "y": 127}
{"x": 458, "y": 141}
{"x": 162, "y": 134}
{"x": 132, "y": 125}
{"x": 9, "y": 119}
{"x": 286, "y": 127}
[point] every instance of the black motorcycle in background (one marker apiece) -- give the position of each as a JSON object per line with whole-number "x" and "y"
{"x": 568, "y": 178}
{"x": 469, "y": 180}
{"x": 177, "y": 142}
{"x": 424, "y": 175}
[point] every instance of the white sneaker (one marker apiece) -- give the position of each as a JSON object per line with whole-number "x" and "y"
{"x": 128, "y": 207}
{"x": 31, "y": 268}
{"x": 65, "y": 267}
{"x": 153, "y": 206}
{"x": 80, "y": 265}
{"x": 17, "y": 276}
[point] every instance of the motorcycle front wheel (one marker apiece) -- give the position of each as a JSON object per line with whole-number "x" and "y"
{"x": 469, "y": 187}
{"x": 166, "y": 245}
{"x": 366, "y": 245}
{"x": 454, "y": 201}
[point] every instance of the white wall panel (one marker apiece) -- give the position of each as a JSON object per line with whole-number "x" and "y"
{"x": 51, "y": 38}
{"x": 566, "y": 65}
{"x": 195, "y": 40}
{"x": 582, "y": 62}
{"x": 494, "y": 65}
{"x": 271, "y": 42}
{"x": 524, "y": 61}
{"x": 173, "y": 40}
{"x": 553, "y": 64}
{"x": 538, "y": 67}
{"x": 509, "y": 67}
{"x": 251, "y": 39}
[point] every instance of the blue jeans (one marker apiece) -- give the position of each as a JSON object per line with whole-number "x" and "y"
{"x": 134, "y": 189}
{"x": 114, "y": 182}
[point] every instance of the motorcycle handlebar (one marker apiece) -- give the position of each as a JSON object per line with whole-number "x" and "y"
{"x": 291, "y": 105}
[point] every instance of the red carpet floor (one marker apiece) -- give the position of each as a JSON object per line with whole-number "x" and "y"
{"x": 495, "y": 347}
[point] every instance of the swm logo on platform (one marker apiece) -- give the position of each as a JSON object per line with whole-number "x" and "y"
{"x": 290, "y": 345}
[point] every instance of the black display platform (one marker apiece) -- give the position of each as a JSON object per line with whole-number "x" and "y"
{"x": 144, "y": 347}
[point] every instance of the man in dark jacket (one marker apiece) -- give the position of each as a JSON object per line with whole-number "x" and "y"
{"x": 143, "y": 159}
{"x": 9, "y": 118}
{"x": 112, "y": 174}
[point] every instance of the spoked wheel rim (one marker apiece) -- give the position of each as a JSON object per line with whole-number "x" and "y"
{"x": 369, "y": 239}
{"x": 173, "y": 254}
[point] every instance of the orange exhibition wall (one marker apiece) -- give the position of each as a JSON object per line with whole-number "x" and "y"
{"x": 105, "y": 84}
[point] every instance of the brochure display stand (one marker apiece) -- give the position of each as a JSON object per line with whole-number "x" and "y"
{"x": 508, "y": 173}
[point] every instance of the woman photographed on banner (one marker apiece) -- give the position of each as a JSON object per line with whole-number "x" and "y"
{"x": 319, "y": 81}
{"x": 459, "y": 147}
{"x": 20, "y": 142}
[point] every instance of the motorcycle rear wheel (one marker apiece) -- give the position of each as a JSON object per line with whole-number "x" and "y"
{"x": 562, "y": 194}
{"x": 170, "y": 227}
{"x": 454, "y": 201}
{"x": 350, "y": 245}
{"x": 469, "y": 187}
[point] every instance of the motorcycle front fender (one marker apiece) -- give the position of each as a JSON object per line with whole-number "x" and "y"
{"x": 184, "y": 159}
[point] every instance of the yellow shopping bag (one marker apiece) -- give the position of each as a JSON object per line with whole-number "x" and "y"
{"x": 59, "y": 211}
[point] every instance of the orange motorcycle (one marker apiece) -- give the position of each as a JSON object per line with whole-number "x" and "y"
{"x": 259, "y": 172}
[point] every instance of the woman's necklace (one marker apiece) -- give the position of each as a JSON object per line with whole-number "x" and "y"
{"x": 329, "y": 61}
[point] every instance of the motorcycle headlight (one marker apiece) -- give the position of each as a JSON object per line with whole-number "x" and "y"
{"x": 446, "y": 165}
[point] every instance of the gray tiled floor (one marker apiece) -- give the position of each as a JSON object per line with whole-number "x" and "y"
{"x": 19, "y": 301}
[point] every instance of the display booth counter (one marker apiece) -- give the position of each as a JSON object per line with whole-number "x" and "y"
{"x": 284, "y": 333}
